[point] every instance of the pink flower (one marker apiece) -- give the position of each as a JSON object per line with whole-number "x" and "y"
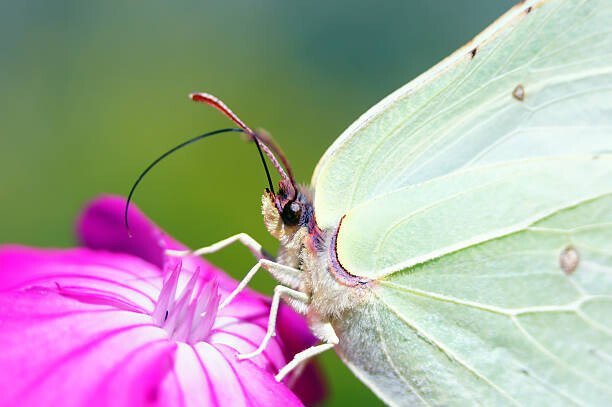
{"x": 117, "y": 323}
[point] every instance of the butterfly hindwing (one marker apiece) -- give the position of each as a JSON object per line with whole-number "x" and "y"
{"x": 520, "y": 320}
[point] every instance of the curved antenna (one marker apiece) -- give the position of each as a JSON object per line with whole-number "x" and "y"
{"x": 166, "y": 154}
{"x": 213, "y": 101}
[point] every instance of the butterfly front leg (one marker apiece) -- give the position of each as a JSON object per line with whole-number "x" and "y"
{"x": 284, "y": 274}
{"x": 250, "y": 243}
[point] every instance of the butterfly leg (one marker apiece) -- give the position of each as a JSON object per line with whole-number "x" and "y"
{"x": 251, "y": 244}
{"x": 284, "y": 274}
{"x": 327, "y": 333}
{"x": 297, "y": 300}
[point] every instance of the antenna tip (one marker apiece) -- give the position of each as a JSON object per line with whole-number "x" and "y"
{"x": 203, "y": 97}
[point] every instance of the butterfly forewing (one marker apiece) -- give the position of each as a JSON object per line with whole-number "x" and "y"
{"x": 465, "y": 111}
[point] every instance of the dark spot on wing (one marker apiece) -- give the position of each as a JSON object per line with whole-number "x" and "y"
{"x": 473, "y": 52}
{"x": 569, "y": 259}
{"x": 528, "y": 10}
{"x": 519, "y": 93}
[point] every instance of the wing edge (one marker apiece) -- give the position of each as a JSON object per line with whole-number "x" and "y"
{"x": 465, "y": 52}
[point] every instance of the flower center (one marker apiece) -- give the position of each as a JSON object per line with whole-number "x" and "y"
{"x": 187, "y": 316}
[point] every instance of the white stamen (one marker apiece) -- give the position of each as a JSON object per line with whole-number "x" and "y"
{"x": 190, "y": 317}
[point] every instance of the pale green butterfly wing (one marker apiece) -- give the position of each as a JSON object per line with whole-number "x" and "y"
{"x": 512, "y": 307}
{"x": 483, "y": 210}
{"x": 463, "y": 113}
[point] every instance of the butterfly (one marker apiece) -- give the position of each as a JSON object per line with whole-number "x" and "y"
{"x": 455, "y": 244}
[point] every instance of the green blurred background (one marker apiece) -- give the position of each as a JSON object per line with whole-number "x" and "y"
{"x": 93, "y": 91}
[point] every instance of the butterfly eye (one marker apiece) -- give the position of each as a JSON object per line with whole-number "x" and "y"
{"x": 292, "y": 213}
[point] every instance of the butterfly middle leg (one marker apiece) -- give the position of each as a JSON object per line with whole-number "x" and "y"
{"x": 297, "y": 300}
{"x": 322, "y": 329}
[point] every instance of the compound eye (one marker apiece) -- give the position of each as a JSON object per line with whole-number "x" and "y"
{"x": 292, "y": 212}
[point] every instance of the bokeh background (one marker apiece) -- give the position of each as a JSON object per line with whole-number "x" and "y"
{"x": 91, "y": 92}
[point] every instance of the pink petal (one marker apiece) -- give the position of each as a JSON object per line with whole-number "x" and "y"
{"x": 58, "y": 351}
{"x": 263, "y": 389}
{"x": 310, "y": 386}
{"x": 149, "y": 368}
{"x": 101, "y": 226}
{"x": 89, "y": 276}
{"x": 229, "y": 382}
{"x": 63, "y": 317}
{"x": 245, "y": 337}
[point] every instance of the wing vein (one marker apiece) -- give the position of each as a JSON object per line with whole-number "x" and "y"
{"x": 390, "y": 360}
{"x": 447, "y": 352}
{"x": 512, "y": 314}
{"x": 432, "y": 205}
{"x": 555, "y": 358}
{"x": 487, "y": 237}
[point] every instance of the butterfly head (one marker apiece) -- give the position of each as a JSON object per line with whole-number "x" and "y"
{"x": 286, "y": 211}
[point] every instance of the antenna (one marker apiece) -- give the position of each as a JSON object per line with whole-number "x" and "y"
{"x": 166, "y": 154}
